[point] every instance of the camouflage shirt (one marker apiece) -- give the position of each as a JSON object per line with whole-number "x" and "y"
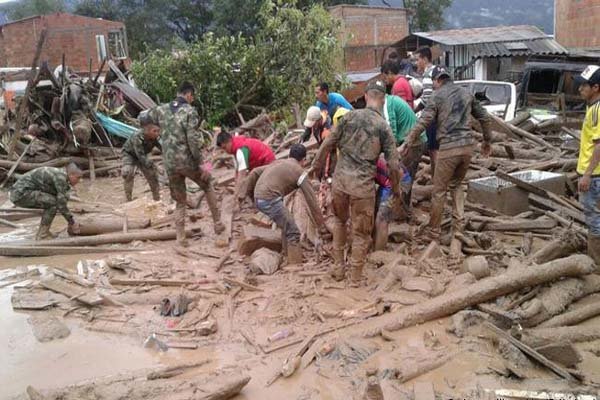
{"x": 181, "y": 140}
{"x": 49, "y": 180}
{"x": 138, "y": 147}
{"x": 450, "y": 108}
{"x": 361, "y": 136}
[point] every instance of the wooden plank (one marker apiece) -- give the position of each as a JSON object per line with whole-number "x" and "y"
{"x": 522, "y": 225}
{"x": 70, "y": 290}
{"x": 558, "y": 370}
{"x": 159, "y": 282}
{"x": 44, "y": 251}
{"x": 73, "y": 278}
{"x": 553, "y": 206}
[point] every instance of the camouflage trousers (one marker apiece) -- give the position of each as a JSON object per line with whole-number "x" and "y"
{"x": 37, "y": 199}
{"x": 179, "y": 193}
{"x": 361, "y": 211}
{"x": 130, "y": 164}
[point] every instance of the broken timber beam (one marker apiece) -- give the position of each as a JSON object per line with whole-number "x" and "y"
{"x": 109, "y": 238}
{"x": 537, "y": 337}
{"x": 573, "y": 317}
{"x": 482, "y": 291}
{"x": 22, "y": 107}
{"x": 45, "y": 251}
{"x": 97, "y": 226}
{"x": 558, "y": 370}
{"x": 523, "y": 133}
{"x": 522, "y": 225}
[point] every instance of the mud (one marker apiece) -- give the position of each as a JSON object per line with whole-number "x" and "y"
{"x": 48, "y": 328}
{"x": 104, "y": 357}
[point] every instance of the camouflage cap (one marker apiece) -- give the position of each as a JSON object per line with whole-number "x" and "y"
{"x": 376, "y": 85}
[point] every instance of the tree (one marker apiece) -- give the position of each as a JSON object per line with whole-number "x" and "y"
{"x": 275, "y": 69}
{"x": 29, "y": 8}
{"x": 427, "y": 14}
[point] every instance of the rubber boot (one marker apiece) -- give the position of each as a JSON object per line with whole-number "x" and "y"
{"x": 128, "y": 186}
{"x": 294, "y": 254}
{"x": 44, "y": 233}
{"x": 338, "y": 270}
{"x": 356, "y": 273}
{"x": 180, "y": 224}
{"x": 594, "y": 250}
{"x": 211, "y": 199}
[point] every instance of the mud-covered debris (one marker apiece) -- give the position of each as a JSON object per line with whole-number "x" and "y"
{"x": 265, "y": 261}
{"x": 47, "y": 328}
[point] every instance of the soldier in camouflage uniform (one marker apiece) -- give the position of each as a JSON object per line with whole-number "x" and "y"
{"x": 182, "y": 144}
{"x": 360, "y": 137}
{"x": 135, "y": 155}
{"x": 450, "y": 109}
{"x": 47, "y": 188}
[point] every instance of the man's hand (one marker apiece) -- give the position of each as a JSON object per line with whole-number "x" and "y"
{"x": 584, "y": 183}
{"x": 74, "y": 229}
{"x": 486, "y": 149}
{"x": 403, "y": 150}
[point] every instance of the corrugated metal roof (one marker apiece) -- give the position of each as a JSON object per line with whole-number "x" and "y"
{"x": 454, "y": 37}
{"x": 531, "y": 47}
{"x": 362, "y": 76}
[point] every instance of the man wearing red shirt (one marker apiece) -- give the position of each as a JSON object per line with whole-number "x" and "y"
{"x": 400, "y": 85}
{"x": 249, "y": 153}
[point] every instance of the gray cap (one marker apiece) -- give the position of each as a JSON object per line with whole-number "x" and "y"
{"x": 376, "y": 85}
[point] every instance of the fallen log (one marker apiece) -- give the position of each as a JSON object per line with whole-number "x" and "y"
{"x": 57, "y": 163}
{"x": 414, "y": 370}
{"x": 159, "y": 282}
{"x": 568, "y": 243}
{"x": 8, "y": 223}
{"x": 109, "y": 238}
{"x": 226, "y": 390}
{"x": 97, "y": 226}
{"x": 573, "y": 334}
{"x": 522, "y": 225}
{"x": 42, "y": 251}
{"x": 557, "y": 369}
{"x": 483, "y": 291}
{"x": 169, "y": 372}
{"x": 573, "y": 317}
{"x": 522, "y": 133}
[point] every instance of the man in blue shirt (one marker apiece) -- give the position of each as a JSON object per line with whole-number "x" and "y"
{"x": 330, "y": 101}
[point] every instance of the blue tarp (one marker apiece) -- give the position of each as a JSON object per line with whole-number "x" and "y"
{"x": 115, "y": 127}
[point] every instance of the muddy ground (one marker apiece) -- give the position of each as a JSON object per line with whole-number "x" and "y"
{"x": 103, "y": 355}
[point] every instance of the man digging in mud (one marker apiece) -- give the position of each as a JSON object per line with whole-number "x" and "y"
{"x": 49, "y": 189}
{"x": 182, "y": 155}
{"x": 135, "y": 155}
{"x": 271, "y": 183}
{"x": 360, "y": 137}
{"x": 449, "y": 109}
{"x": 249, "y": 154}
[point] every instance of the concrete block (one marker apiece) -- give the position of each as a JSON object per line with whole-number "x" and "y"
{"x": 255, "y": 238}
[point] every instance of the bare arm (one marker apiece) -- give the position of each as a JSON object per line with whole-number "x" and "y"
{"x": 311, "y": 201}
{"x": 427, "y": 117}
{"x": 328, "y": 144}
{"x": 248, "y": 185}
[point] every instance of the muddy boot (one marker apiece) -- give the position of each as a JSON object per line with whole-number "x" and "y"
{"x": 594, "y": 250}
{"x": 128, "y": 186}
{"x": 373, "y": 390}
{"x": 155, "y": 192}
{"x": 211, "y": 199}
{"x": 356, "y": 274}
{"x": 294, "y": 254}
{"x": 338, "y": 270}
{"x": 44, "y": 233}
{"x": 180, "y": 225}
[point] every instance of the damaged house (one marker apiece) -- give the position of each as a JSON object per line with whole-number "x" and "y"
{"x": 84, "y": 41}
{"x": 494, "y": 53}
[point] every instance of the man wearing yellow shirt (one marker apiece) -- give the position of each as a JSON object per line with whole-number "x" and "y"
{"x": 588, "y": 166}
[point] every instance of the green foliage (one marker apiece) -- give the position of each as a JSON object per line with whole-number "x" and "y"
{"x": 29, "y": 8}
{"x": 428, "y": 14}
{"x": 291, "y": 50}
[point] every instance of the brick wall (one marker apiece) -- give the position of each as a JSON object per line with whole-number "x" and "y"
{"x": 367, "y": 31}
{"x": 578, "y": 23}
{"x": 72, "y": 35}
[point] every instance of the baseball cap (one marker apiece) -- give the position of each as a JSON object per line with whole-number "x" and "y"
{"x": 439, "y": 71}
{"x": 376, "y": 85}
{"x": 591, "y": 75}
{"x": 312, "y": 116}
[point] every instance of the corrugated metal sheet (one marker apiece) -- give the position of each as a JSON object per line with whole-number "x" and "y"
{"x": 532, "y": 47}
{"x": 455, "y": 37}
